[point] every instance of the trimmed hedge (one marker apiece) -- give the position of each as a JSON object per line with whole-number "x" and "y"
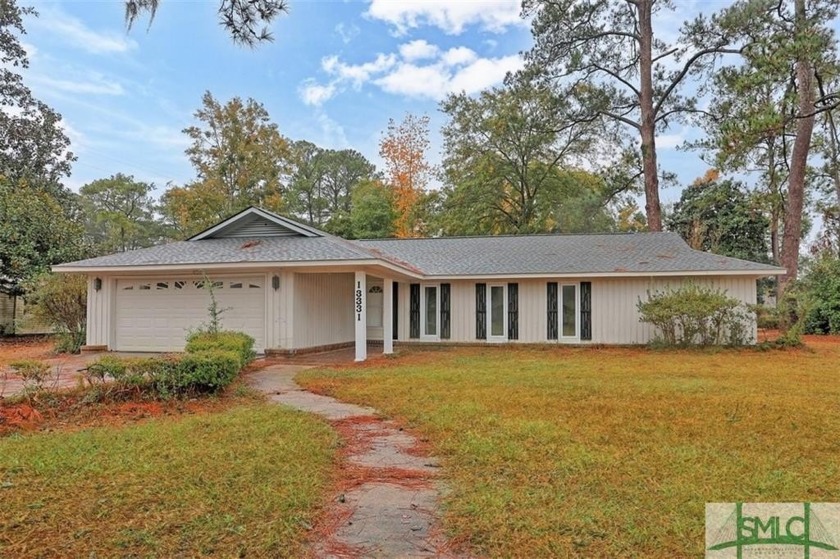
{"x": 207, "y": 371}
{"x": 211, "y": 362}
{"x": 237, "y": 342}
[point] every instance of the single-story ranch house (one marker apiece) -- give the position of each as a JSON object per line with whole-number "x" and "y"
{"x": 294, "y": 288}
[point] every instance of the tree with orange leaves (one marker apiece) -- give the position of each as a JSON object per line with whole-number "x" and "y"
{"x": 403, "y": 147}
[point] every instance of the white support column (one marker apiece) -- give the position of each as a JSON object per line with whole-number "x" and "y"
{"x": 388, "y": 316}
{"x": 360, "y": 314}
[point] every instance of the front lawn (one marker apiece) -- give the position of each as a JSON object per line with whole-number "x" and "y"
{"x": 564, "y": 452}
{"x": 243, "y": 482}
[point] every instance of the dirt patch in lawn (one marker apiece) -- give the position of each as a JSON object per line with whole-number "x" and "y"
{"x": 72, "y": 410}
{"x": 30, "y": 347}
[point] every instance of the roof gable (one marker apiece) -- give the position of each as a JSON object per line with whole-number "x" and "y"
{"x": 255, "y": 222}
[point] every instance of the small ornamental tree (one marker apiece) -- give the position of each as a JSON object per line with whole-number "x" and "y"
{"x": 696, "y": 315}
{"x": 60, "y": 300}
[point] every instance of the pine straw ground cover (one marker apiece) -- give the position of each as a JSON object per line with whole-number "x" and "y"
{"x": 568, "y": 452}
{"x": 238, "y": 479}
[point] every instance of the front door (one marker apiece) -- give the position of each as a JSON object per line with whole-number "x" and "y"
{"x": 497, "y": 315}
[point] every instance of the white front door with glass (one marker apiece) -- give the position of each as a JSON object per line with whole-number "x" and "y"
{"x": 430, "y": 304}
{"x": 568, "y": 311}
{"x": 497, "y": 313}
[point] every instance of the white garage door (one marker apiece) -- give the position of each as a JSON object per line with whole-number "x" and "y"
{"x": 158, "y": 314}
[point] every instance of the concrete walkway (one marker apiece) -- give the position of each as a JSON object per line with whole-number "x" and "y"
{"x": 387, "y": 499}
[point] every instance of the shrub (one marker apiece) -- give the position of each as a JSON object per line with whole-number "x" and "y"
{"x": 818, "y": 297}
{"x": 60, "y": 300}
{"x": 168, "y": 375}
{"x": 767, "y": 318}
{"x": 206, "y": 371}
{"x": 696, "y": 315}
{"x": 69, "y": 342}
{"x": 108, "y": 366}
{"x": 237, "y": 342}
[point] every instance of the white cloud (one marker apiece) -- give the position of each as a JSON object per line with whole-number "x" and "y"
{"x": 418, "y": 50}
{"x": 421, "y": 70}
{"x": 332, "y": 133}
{"x": 361, "y": 73}
{"x": 451, "y": 16}
{"x": 435, "y": 81}
{"x": 347, "y": 32}
{"x": 458, "y": 55}
{"x": 74, "y": 32}
{"x": 416, "y": 81}
{"x": 314, "y": 94}
{"x": 484, "y": 73}
{"x": 92, "y": 85}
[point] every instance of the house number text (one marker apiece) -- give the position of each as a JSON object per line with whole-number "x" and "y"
{"x": 359, "y": 302}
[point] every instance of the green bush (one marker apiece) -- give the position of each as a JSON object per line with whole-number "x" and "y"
{"x": 767, "y": 318}
{"x": 99, "y": 371}
{"x": 237, "y": 342}
{"x": 168, "y": 375}
{"x": 206, "y": 371}
{"x": 817, "y": 297}
{"x": 696, "y": 315}
{"x": 69, "y": 342}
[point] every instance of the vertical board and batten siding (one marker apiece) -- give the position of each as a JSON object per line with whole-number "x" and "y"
{"x": 323, "y": 310}
{"x": 532, "y": 301}
{"x": 100, "y": 312}
{"x": 615, "y": 318}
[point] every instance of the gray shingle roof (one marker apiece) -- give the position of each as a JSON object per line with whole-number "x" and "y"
{"x": 215, "y": 251}
{"x": 558, "y": 254}
{"x": 451, "y": 256}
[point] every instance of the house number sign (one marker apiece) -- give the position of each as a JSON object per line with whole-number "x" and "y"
{"x": 358, "y": 301}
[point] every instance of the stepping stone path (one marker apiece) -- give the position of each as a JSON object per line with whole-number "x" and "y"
{"x": 387, "y": 498}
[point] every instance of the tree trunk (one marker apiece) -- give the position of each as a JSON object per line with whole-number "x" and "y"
{"x": 799, "y": 157}
{"x": 648, "y": 131}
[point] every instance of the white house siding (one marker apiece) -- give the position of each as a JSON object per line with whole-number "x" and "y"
{"x": 615, "y": 319}
{"x": 323, "y": 310}
{"x": 100, "y": 311}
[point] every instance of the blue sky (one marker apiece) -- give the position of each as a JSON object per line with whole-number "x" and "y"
{"x": 336, "y": 72}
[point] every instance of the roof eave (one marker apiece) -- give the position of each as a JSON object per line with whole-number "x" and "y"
{"x": 606, "y": 275}
{"x": 190, "y": 267}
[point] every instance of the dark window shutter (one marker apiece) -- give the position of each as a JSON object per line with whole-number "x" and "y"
{"x": 553, "y": 304}
{"x": 481, "y": 311}
{"x": 586, "y": 310}
{"x": 395, "y": 309}
{"x": 445, "y": 322}
{"x": 513, "y": 311}
{"x": 414, "y": 312}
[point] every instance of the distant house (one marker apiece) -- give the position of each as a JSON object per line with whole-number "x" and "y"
{"x": 295, "y": 288}
{"x": 13, "y": 316}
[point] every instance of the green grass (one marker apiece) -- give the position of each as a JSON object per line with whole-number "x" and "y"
{"x": 243, "y": 482}
{"x": 609, "y": 452}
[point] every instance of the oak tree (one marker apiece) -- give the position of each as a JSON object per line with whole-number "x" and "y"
{"x": 240, "y": 159}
